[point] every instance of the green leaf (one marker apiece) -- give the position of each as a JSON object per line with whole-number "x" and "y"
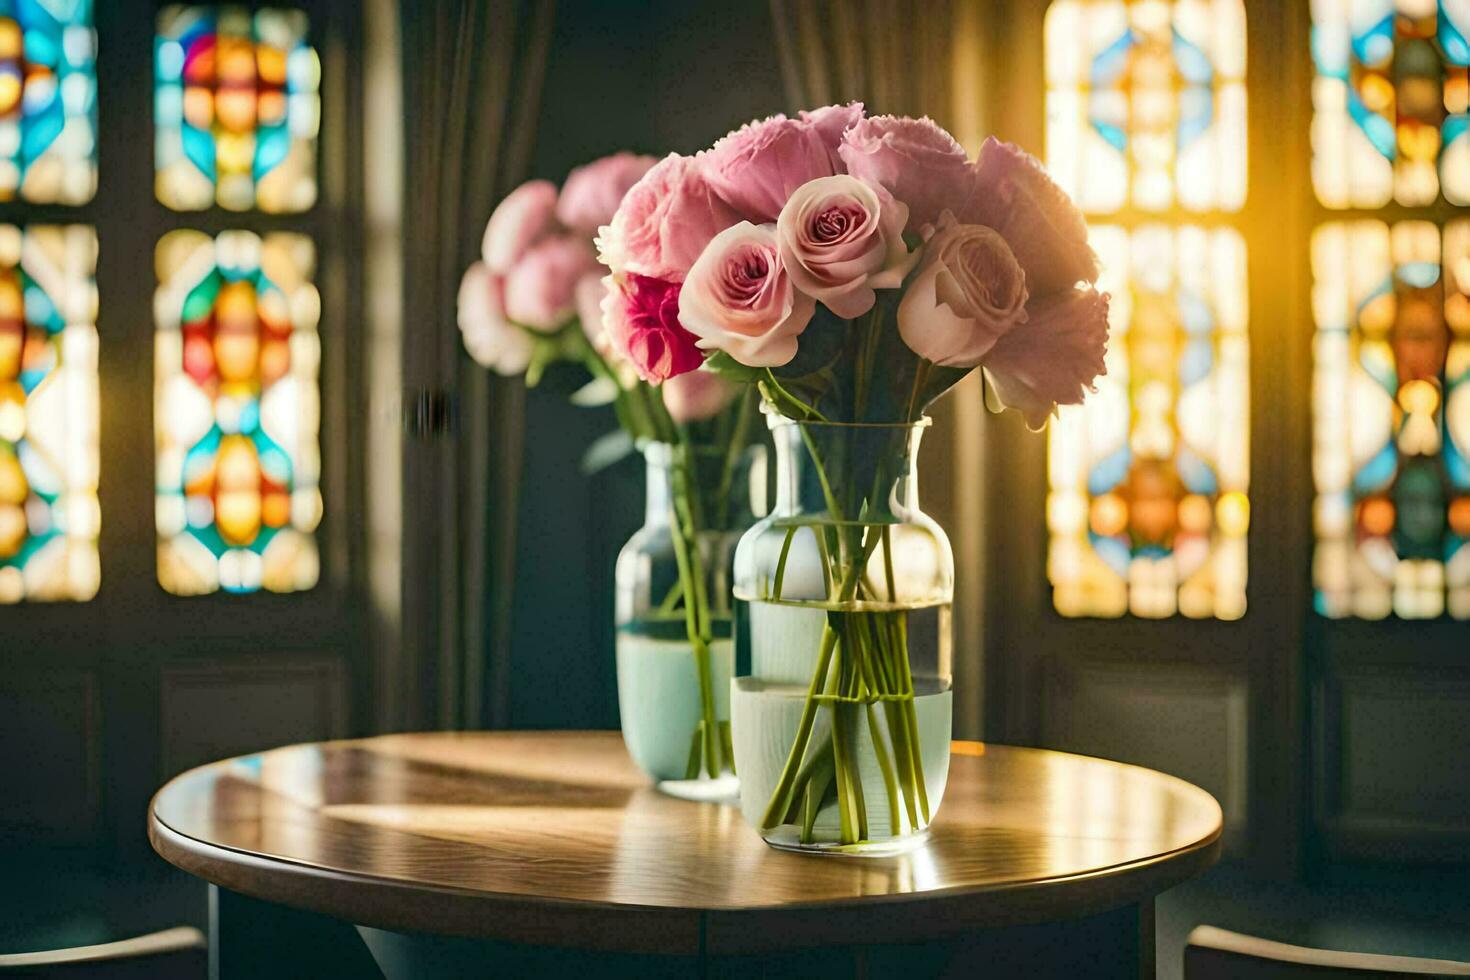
{"x": 544, "y": 352}
{"x": 598, "y": 391}
{"x": 606, "y": 450}
{"x": 731, "y": 370}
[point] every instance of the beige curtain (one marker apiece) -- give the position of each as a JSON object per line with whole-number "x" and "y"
{"x": 473, "y": 72}
{"x": 917, "y": 58}
{"x": 894, "y": 55}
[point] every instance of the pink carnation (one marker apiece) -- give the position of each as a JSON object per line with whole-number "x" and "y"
{"x": 1052, "y": 358}
{"x": 642, "y": 320}
{"x": 757, "y": 168}
{"x": 492, "y": 340}
{"x": 664, "y": 222}
{"x": 831, "y": 122}
{"x": 1014, "y": 195}
{"x": 915, "y": 159}
{"x": 591, "y": 194}
{"x": 518, "y": 222}
{"x": 540, "y": 289}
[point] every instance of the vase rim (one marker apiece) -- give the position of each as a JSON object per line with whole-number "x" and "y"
{"x": 776, "y": 419}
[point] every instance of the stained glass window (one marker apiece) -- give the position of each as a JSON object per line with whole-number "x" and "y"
{"x": 236, "y": 412}
{"x": 1391, "y": 102}
{"x": 1391, "y": 401}
{"x": 1149, "y": 504}
{"x": 237, "y": 109}
{"x": 1148, "y": 508}
{"x": 48, "y": 101}
{"x": 1145, "y": 103}
{"x": 49, "y": 517}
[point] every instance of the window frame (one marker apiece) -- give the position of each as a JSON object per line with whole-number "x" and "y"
{"x": 132, "y": 619}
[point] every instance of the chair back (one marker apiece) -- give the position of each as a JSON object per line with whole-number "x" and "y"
{"x": 1217, "y": 954}
{"x": 180, "y": 953}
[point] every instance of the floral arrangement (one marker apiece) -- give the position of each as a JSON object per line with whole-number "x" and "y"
{"x": 852, "y": 269}
{"x": 533, "y": 300}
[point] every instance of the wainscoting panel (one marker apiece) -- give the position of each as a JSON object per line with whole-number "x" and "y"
{"x": 1187, "y": 720}
{"x": 50, "y": 755}
{"x": 212, "y": 710}
{"x": 1393, "y": 759}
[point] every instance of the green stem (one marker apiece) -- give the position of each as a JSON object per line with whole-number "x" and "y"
{"x": 886, "y": 768}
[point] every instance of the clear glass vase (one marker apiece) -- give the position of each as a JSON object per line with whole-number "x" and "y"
{"x": 675, "y": 652}
{"x": 843, "y": 596}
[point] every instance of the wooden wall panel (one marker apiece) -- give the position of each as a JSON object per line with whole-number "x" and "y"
{"x": 1186, "y": 720}
{"x": 50, "y": 751}
{"x": 1393, "y": 762}
{"x": 212, "y": 710}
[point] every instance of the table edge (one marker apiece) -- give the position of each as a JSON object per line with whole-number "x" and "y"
{"x": 644, "y": 929}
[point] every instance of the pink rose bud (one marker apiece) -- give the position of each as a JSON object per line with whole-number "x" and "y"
{"x": 696, "y": 396}
{"x": 969, "y": 290}
{"x": 830, "y": 122}
{"x": 739, "y": 299}
{"x": 916, "y": 160}
{"x": 756, "y": 168}
{"x": 517, "y": 223}
{"x": 591, "y": 194}
{"x": 664, "y": 222}
{"x": 840, "y": 239}
{"x": 1014, "y": 195}
{"x": 641, "y": 316}
{"x": 540, "y": 289}
{"x": 492, "y": 340}
{"x": 1052, "y": 358}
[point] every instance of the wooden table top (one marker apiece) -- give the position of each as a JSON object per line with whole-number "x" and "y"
{"x": 555, "y": 838}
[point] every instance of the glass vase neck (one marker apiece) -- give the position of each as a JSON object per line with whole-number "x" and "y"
{"x": 847, "y": 472}
{"x": 719, "y": 488}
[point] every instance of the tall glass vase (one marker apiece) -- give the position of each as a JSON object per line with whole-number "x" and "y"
{"x": 843, "y": 599}
{"x": 675, "y": 653}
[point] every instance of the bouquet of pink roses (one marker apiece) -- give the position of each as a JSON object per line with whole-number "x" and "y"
{"x": 853, "y": 269}
{"x": 533, "y": 300}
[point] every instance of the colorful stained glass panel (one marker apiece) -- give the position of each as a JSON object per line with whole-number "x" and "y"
{"x": 1391, "y": 416}
{"x": 1145, "y": 103}
{"x": 236, "y": 412}
{"x": 1391, "y": 101}
{"x": 48, "y": 101}
{"x": 49, "y": 516}
{"x": 1149, "y": 503}
{"x": 237, "y": 107}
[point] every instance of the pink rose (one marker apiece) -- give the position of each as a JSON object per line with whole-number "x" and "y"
{"x": 642, "y": 321}
{"x": 914, "y": 159}
{"x": 830, "y": 122}
{"x": 969, "y": 290}
{"x": 517, "y": 223}
{"x": 591, "y": 194}
{"x": 492, "y": 340}
{"x": 840, "y": 239}
{"x": 1053, "y": 357}
{"x": 540, "y": 289}
{"x": 664, "y": 222}
{"x": 739, "y": 299}
{"x": 1014, "y": 195}
{"x": 756, "y": 168}
{"x": 696, "y": 396}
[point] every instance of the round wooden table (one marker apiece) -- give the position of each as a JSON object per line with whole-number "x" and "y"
{"x": 544, "y": 852}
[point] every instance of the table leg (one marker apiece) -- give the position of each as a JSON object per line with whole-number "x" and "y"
{"x": 249, "y": 939}
{"x": 1115, "y": 945}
